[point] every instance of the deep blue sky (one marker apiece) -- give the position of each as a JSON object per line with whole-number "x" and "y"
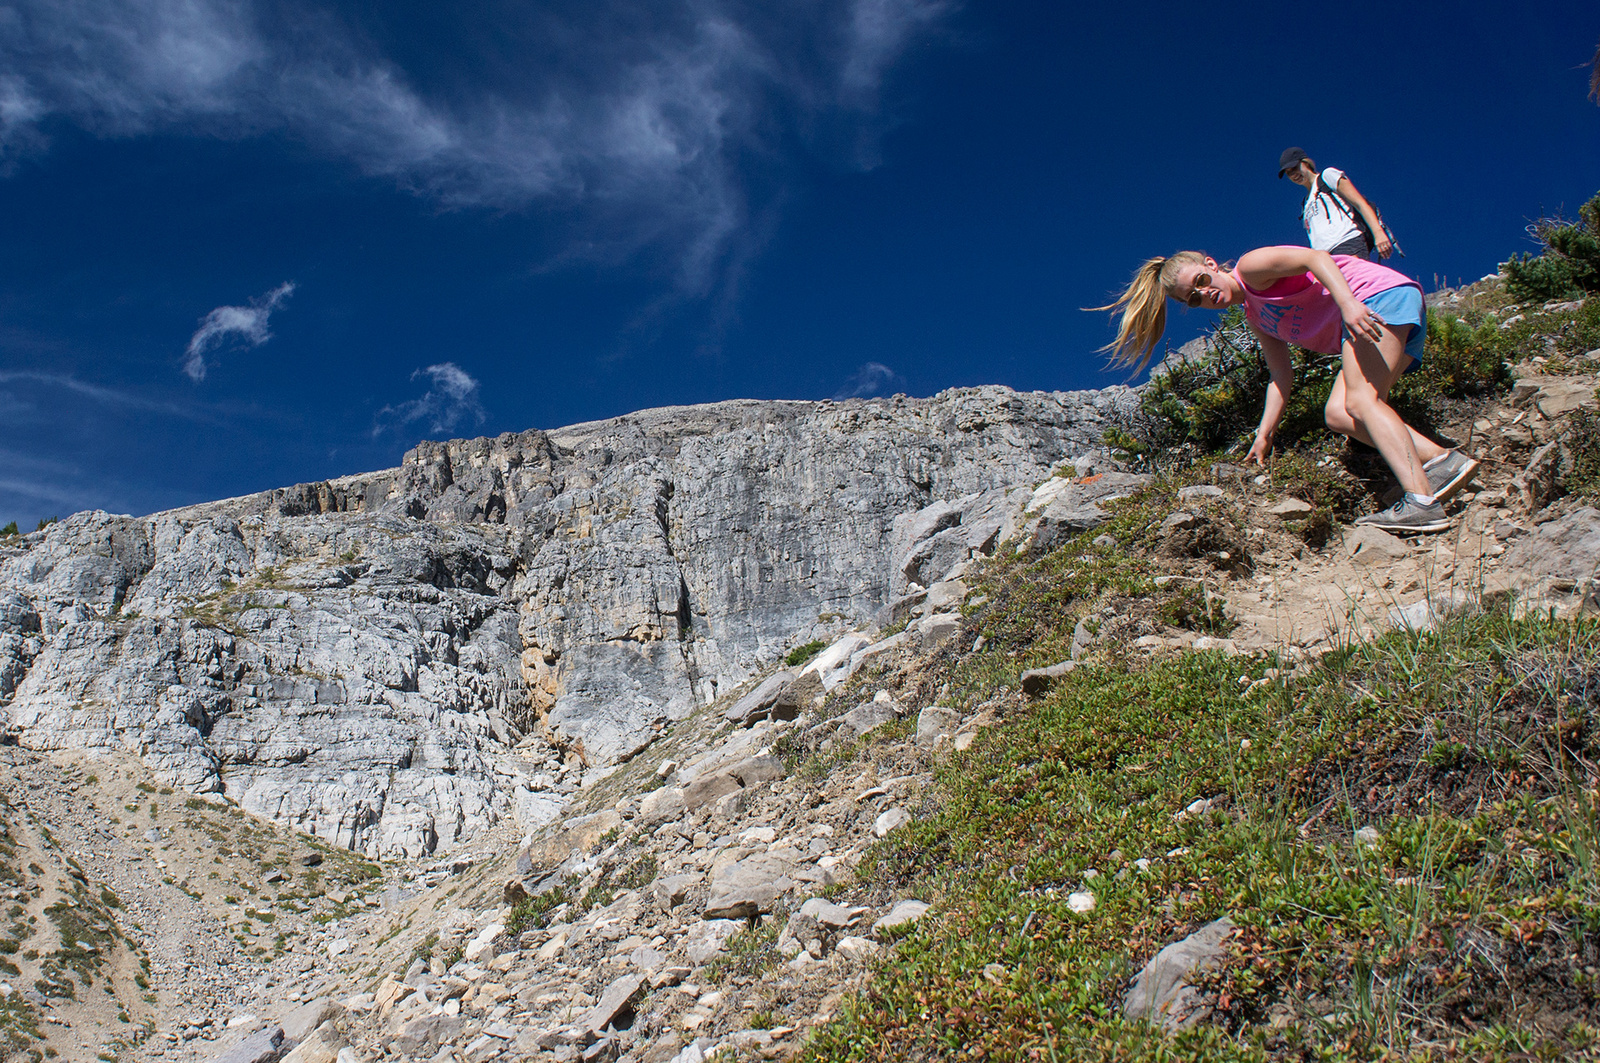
{"x": 575, "y": 209}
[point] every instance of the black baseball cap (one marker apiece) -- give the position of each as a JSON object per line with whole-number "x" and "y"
{"x": 1290, "y": 158}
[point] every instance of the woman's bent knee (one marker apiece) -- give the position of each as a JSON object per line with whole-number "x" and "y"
{"x": 1336, "y": 418}
{"x": 1358, "y": 405}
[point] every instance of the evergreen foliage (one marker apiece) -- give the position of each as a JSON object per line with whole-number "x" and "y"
{"x": 1569, "y": 266}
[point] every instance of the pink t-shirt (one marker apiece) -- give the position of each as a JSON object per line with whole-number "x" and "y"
{"x": 1300, "y": 309}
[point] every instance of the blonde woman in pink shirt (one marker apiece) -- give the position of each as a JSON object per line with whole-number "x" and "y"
{"x": 1368, "y": 314}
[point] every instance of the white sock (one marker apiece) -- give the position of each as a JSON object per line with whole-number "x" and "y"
{"x": 1435, "y": 461}
{"x": 1421, "y": 500}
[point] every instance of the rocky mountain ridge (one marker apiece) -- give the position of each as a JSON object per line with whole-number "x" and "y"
{"x": 395, "y": 661}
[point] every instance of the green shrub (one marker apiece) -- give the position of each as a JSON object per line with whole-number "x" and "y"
{"x": 802, "y": 654}
{"x": 1569, "y": 265}
{"x": 1460, "y": 362}
{"x": 10, "y": 529}
{"x": 639, "y": 874}
{"x": 1320, "y": 481}
{"x": 1583, "y": 443}
{"x": 1196, "y": 609}
{"x": 531, "y": 914}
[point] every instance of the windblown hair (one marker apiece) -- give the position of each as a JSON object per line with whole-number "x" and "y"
{"x": 1144, "y": 309}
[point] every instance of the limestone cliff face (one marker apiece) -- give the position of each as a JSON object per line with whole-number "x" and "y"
{"x": 360, "y": 657}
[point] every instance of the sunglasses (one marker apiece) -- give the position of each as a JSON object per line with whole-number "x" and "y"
{"x": 1201, "y": 280}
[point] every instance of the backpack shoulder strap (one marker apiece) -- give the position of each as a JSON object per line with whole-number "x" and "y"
{"x": 1333, "y": 193}
{"x": 1349, "y": 210}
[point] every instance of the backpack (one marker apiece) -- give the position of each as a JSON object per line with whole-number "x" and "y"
{"x": 1350, "y": 212}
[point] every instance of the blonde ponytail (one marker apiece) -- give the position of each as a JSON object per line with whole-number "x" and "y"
{"x": 1144, "y": 310}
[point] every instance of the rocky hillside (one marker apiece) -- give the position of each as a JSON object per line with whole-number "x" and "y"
{"x": 975, "y": 752}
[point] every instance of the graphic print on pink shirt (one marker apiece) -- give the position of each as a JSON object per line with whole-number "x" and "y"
{"x": 1300, "y": 309}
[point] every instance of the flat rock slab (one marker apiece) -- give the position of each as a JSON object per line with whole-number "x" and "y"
{"x": 933, "y": 721}
{"x": 1036, "y": 681}
{"x": 706, "y": 938}
{"x": 901, "y": 914}
{"x": 321, "y": 1045}
{"x": 661, "y": 804}
{"x": 938, "y": 629}
{"x": 751, "y": 771}
{"x": 1554, "y": 400}
{"x": 759, "y": 769}
{"x": 1064, "y": 507}
{"x": 1559, "y": 563}
{"x": 1290, "y": 508}
{"x": 1374, "y": 546}
{"x": 1162, "y": 993}
{"x": 946, "y": 595}
{"x": 867, "y": 717}
{"x": 832, "y": 665}
{"x": 263, "y": 1046}
{"x": 299, "y": 1023}
{"x": 1182, "y": 520}
{"x": 615, "y": 1002}
{"x": 889, "y": 821}
{"x": 750, "y": 886}
{"x": 671, "y": 890}
{"x": 757, "y": 705}
{"x": 833, "y": 916}
{"x": 708, "y": 788}
{"x": 578, "y": 834}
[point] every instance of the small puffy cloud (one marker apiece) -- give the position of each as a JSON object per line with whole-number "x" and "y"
{"x": 242, "y": 324}
{"x": 452, "y": 397}
{"x": 872, "y": 378}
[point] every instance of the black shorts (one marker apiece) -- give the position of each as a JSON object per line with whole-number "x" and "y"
{"x": 1356, "y": 245}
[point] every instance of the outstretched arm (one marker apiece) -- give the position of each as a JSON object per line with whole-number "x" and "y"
{"x": 1259, "y": 268}
{"x": 1380, "y": 239}
{"x": 1281, "y": 366}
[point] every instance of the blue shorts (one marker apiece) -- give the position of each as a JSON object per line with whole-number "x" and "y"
{"x": 1399, "y": 307}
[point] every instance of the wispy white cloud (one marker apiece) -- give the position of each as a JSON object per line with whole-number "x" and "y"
{"x": 240, "y": 324}
{"x": 870, "y": 378}
{"x": 663, "y": 125}
{"x": 94, "y": 392}
{"x": 452, "y": 397}
{"x": 51, "y": 492}
{"x": 32, "y": 488}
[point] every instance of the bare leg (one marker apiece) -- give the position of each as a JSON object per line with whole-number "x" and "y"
{"x": 1341, "y": 422}
{"x": 1357, "y": 408}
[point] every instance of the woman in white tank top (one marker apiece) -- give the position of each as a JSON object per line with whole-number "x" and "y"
{"x": 1332, "y": 203}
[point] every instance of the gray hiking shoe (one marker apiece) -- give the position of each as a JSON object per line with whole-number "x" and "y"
{"x": 1450, "y": 475}
{"x": 1406, "y": 516}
